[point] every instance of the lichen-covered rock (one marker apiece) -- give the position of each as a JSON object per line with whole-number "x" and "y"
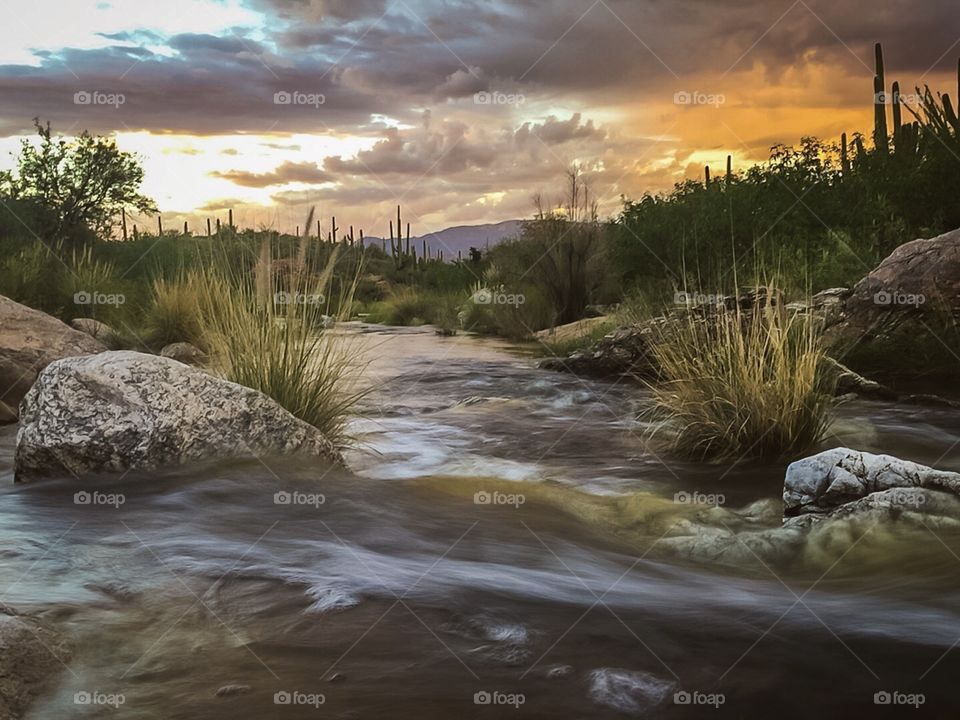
{"x": 122, "y": 410}
{"x": 31, "y": 655}
{"x": 825, "y": 481}
{"x": 184, "y": 352}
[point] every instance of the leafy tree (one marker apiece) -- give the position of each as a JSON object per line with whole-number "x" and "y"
{"x": 84, "y": 182}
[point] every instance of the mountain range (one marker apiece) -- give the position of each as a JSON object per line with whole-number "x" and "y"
{"x": 461, "y": 238}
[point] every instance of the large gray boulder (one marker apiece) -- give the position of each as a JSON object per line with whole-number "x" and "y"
{"x": 31, "y": 655}
{"x": 29, "y": 341}
{"x": 823, "y": 482}
{"x": 118, "y": 411}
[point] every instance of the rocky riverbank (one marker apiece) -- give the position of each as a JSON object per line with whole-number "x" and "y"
{"x": 910, "y": 294}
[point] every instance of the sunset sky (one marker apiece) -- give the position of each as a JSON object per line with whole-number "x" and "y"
{"x": 461, "y": 111}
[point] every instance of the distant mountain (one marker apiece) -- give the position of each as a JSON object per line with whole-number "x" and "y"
{"x": 463, "y": 237}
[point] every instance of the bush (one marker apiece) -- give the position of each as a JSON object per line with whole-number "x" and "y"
{"x": 279, "y": 349}
{"x": 174, "y": 313}
{"x": 741, "y": 384}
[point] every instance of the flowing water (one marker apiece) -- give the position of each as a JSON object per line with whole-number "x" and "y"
{"x": 495, "y": 551}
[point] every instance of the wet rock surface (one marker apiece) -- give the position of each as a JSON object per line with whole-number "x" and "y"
{"x": 121, "y": 410}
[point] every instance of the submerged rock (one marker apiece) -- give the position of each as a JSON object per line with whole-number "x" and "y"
{"x": 825, "y": 481}
{"x": 118, "y": 411}
{"x": 32, "y": 655}
{"x": 824, "y": 495}
{"x": 29, "y": 341}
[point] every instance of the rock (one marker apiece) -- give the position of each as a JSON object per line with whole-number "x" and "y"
{"x": 829, "y": 305}
{"x": 724, "y": 545}
{"x": 627, "y": 351}
{"x": 850, "y": 382}
{"x": 15, "y": 381}
{"x": 233, "y": 690}
{"x": 917, "y": 278}
{"x": 29, "y": 341}
{"x": 93, "y": 328}
{"x": 900, "y": 319}
{"x": 7, "y": 414}
{"x": 914, "y": 505}
{"x": 624, "y": 352}
{"x": 572, "y": 331}
{"x": 122, "y": 410}
{"x": 184, "y": 352}
{"x": 32, "y": 655}
{"x": 825, "y": 481}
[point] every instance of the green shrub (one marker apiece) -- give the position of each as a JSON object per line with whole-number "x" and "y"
{"x": 736, "y": 384}
{"x": 278, "y": 349}
{"x": 174, "y": 312}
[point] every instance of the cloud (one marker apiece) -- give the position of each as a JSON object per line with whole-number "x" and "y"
{"x": 598, "y": 83}
{"x": 286, "y": 173}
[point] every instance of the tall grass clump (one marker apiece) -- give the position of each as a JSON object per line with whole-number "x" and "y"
{"x": 742, "y": 383}
{"x": 279, "y": 348}
{"x": 173, "y": 314}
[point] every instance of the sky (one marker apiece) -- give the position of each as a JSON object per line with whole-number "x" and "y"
{"x": 462, "y": 112}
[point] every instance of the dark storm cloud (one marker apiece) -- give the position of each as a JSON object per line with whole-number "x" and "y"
{"x": 405, "y": 72}
{"x": 421, "y": 53}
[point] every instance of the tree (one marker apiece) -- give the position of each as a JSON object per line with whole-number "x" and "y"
{"x": 559, "y": 252}
{"x": 85, "y": 182}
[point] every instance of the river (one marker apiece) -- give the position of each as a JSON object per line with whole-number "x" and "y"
{"x": 495, "y": 551}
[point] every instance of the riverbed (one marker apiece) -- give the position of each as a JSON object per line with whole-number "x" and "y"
{"x": 476, "y": 562}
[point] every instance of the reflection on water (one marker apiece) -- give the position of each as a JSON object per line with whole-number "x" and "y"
{"x": 394, "y": 592}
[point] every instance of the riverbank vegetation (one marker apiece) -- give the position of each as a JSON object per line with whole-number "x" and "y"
{"x": 764, "y": 389}
{"x": 821, "y": 213}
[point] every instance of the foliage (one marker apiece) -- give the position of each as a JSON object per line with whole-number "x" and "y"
{"x": 558, "y": 253}
{"x": 279, "y": 349}
{"x": 741, "y": 383}
{"x": 85, "y": 183}
{"x": 174, "y": 313}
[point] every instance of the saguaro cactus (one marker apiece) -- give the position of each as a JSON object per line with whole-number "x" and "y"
{"x": 880, "y": 137}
